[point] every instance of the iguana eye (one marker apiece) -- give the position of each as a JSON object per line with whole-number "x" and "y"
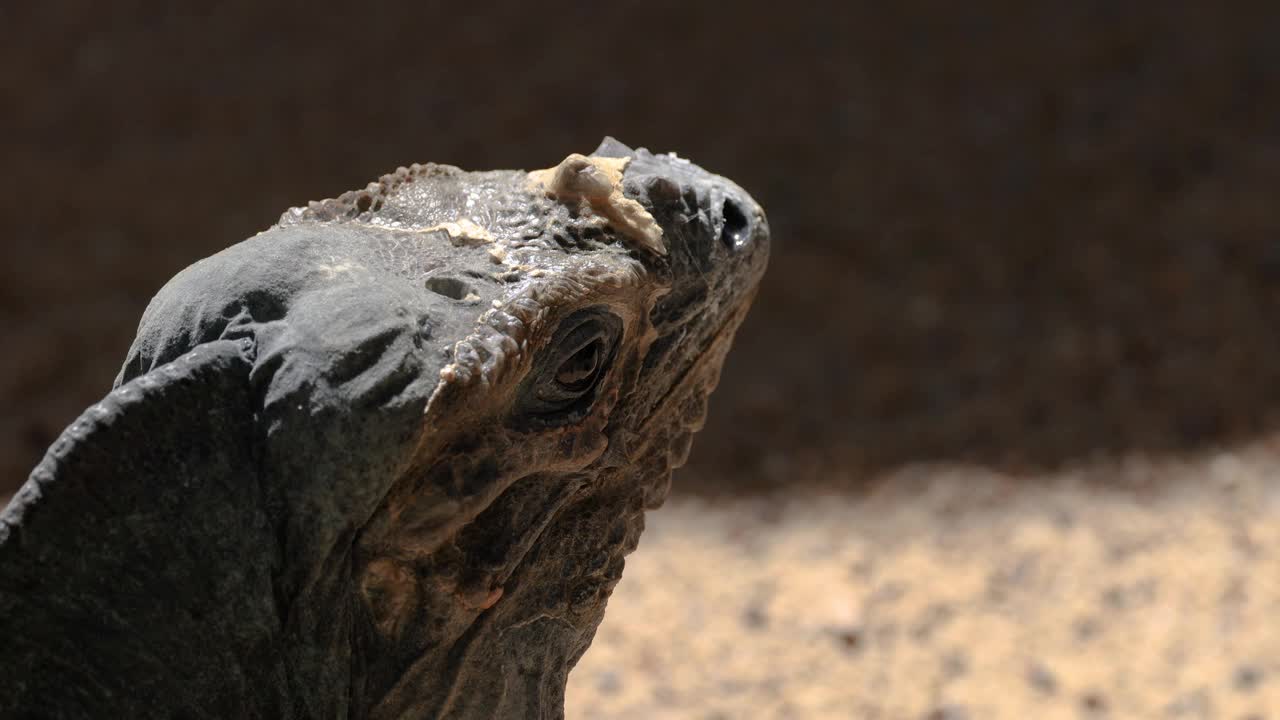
{"x": 580, "y": 370}
{"x": 563, "y": 383}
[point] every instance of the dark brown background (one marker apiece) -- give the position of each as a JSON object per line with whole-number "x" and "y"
{"x": 1018, "y": 236}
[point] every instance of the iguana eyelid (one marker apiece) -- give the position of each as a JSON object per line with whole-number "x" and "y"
{"x": 552, "y": 400}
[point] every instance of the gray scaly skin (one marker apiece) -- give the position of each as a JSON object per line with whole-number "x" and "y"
{"x": 384, "y": 459}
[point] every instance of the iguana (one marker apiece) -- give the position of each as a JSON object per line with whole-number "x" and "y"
{"x": 383, "y": 459}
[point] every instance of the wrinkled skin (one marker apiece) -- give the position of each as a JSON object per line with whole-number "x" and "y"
{"x": 377, "y": 461}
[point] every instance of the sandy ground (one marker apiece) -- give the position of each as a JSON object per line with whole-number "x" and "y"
{"x": 1122, "y": 589}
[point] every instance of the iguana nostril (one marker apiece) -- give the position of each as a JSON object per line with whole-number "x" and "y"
{"x": 736, "y": 225}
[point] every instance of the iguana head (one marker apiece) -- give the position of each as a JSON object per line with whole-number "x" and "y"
{"x": 599, "y": 298}
{"x": 452, "y": 396}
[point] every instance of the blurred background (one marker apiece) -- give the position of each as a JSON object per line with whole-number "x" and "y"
{"x": 1013, "y": 371}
